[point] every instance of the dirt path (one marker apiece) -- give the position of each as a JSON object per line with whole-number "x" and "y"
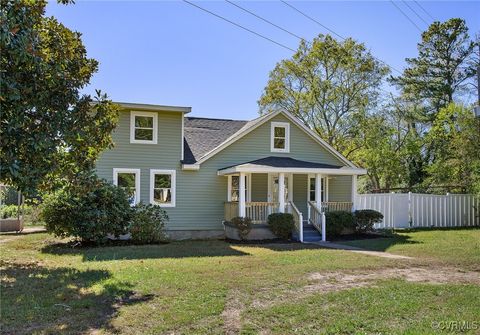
{"x": 232, "y": 313}
{"x": 321, "y": 283}
{"x": 338, "y": 281}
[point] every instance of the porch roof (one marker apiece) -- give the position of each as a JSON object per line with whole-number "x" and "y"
{"x": 289, "y": 165}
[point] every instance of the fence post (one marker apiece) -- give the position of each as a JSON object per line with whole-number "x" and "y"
{"x": 390, "y": 208}
{"x": 410, "y": 219}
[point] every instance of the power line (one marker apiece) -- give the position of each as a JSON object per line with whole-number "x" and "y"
{"x": 424, "y": 10}
{"x": 333, "y": 32}
{"x": 265, "y": 20}
{"x": 415, "y": 12}
{"x": 312, "y": 19}
{"x": 406, "y": 16}
{"x": 240, "y": 26}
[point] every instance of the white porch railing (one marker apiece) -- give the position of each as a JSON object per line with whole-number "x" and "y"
{"x": 258, "y": 212}
{"x": 297, "y": 219}
{"x": 337, "y": 206}
{"x": 316, "y": 217}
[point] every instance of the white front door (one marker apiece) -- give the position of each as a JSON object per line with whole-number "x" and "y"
{"x": 273, "y": 187}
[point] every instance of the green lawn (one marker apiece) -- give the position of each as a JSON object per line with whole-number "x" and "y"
{"x": 454, "y": 246}
{"x": 212, "y": 287}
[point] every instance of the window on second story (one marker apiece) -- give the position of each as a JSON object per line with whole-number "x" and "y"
{"x": 280, "y": 137}
{"x": 143, "y": 127}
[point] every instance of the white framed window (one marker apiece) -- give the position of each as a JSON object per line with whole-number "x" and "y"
{"x": 143, "y": 127}
{"x": 234, "y": 188}
{"x": 280, "y": 137}
{"x": 162, "y": 187}
{"x": 311, "y": 196}
{"x": 129, "y": 180}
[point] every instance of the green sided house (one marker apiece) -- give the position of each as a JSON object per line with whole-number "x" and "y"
{"x": 205, "y": 171}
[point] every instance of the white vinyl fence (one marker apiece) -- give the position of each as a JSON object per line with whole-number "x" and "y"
{"x": 422, "y": 210}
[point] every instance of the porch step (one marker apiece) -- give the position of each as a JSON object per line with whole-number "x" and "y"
{"x": 312, "y": 238}
{"x": 310, "y": 233}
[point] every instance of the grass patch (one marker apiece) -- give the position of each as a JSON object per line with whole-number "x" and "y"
{"x": 454, "y": 246}
{"x": 188, "y": 287}
{"x": 393, "y": 307}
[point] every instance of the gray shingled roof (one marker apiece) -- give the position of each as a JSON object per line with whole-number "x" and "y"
{"x": 286, "y": 162}
{"x": 203, "y": 135}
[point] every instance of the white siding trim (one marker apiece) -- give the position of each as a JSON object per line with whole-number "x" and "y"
{"x": 183, "y": 137}
{"x": 154, "y": 115}
{"x": 172, "y": 173}
{"x": 116, "y": 171}
{"x": 284, "y": 125}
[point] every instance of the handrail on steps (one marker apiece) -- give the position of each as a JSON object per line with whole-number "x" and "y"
{"x": 298, "y": 220}
{"x": 316, "y": 217}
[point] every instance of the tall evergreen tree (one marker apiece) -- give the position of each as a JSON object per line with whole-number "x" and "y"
{"x": 443, "y": 68}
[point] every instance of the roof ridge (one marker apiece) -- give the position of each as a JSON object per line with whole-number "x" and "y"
{"x": 215, "y": 119}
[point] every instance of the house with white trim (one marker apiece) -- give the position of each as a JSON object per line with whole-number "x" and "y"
{"x": 205, "y": 171}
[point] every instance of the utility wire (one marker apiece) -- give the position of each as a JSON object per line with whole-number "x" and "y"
{"x": 240, "y": 26}
{"x": 312, "y": 19}
{"x": 333, "y": 32}
{"x": 424, "y": 10}
{"x": 415, "y": 12}
{"x": 265, "y": 20}
{"x": 406, "y": 16}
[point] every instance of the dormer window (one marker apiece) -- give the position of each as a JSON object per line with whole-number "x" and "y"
{"x": 143, "y": 127}
{"x": 280, "y": 137}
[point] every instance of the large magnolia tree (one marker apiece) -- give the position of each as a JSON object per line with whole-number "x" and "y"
{"x": 49, "y": 131}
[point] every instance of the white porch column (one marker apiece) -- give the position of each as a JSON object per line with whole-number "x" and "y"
{"x": 281, "y": 192}
{"x": 241, "y": 195}
{"x": 318, "y": 190}
{"x": 354, "y": 192}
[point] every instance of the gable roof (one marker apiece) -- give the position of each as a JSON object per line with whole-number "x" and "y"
{"x": 202, "y": 135}
{"x": 255, "y": 123}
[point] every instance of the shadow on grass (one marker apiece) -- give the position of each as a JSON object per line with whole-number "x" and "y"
{"x": 128, "y": 252}
{"x": 36, "y": 299}
{"x": 381, "y": 244}
{"x": 181, "y": 249}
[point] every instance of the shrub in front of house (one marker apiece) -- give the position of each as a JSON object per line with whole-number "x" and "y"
{"x": 365, "y": 219}
{"x": 89, "y": 211}
{"x": 147, "y": 224}
{"x": 281, "y": 224}
{"x": 338, "y": 222}
{"x": 243, "y": 225}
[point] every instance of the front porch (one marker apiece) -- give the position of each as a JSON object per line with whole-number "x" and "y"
{"x": 259, "y": 211}
{"x": 285, "y": 185}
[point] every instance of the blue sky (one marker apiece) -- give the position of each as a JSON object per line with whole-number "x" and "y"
{"x": 170, "y": 53}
